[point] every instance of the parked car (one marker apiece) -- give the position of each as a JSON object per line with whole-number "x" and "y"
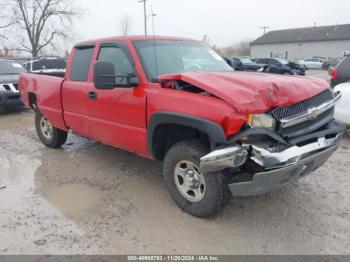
{"x": 342, "y": 109}
{"x": 341, "y": 73}
{"x": 281, "y": 66}
{"x": 312, "y": 63}
{"x": 218, "y": 132}
{"x": 9, "y": 74}
{"x": 46, "y": 65}
{"x": 242, "y": 64}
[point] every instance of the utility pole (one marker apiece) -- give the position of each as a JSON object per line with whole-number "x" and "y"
{"x": 144, "y": 13}
{"x": 264, "y": 28}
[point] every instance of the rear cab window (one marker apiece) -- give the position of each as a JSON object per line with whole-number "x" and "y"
{"x": 81, "y": 63}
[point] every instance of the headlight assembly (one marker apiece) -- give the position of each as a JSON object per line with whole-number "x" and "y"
{"x": 262, "y": 121}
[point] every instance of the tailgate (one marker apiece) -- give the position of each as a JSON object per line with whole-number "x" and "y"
{"x": 47, "y": 93}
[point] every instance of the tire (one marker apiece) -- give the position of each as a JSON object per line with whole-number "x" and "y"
{"x": 216, "y": 192}
{"x": 49, "y": 135}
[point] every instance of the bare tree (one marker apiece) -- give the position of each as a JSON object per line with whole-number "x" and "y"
{"x": 241, "y": 48}
{"x": 125, "y": 25}
{"x": 42, "y": 22}
{"x": 6, "y": 20}
{"x": 244, "y": 47}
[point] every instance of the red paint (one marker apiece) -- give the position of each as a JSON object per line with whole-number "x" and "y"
{"x": 334, "y": 74}
{"x": 254, "y": 92}
{"x": 119, "y": 117}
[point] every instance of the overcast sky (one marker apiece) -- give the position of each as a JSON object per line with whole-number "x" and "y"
{"x": 224, "y": 21}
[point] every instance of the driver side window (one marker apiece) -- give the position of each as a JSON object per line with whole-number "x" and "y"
{"x": 121, "y": 61}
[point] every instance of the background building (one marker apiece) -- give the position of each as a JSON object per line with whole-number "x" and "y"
{"x": 299, "y": 43}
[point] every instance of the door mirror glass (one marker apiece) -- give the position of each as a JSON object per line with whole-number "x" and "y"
{"x": 104, "y": 75}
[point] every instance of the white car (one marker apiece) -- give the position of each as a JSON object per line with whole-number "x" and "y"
{"x": 46, "y": 65}
{"x": 342, "y": 109}
{"x": 312, "y": 63}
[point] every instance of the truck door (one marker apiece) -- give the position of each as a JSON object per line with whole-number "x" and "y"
{"x": 118, "y": 116}
{"x": 75, "y": 90}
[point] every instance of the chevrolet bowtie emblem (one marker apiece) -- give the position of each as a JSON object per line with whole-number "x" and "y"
{"x": 313, "y": 113}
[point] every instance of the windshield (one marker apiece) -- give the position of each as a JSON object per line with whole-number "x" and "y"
{"x": 49, "y": 64}
{"x": 282, "y": 61}
{"x": 246, "y": 60}
{"x": 175, "y": 57}
{"x": 10, "y": 68}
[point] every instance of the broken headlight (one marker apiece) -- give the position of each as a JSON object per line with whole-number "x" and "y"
{"x": 262, "y": 121}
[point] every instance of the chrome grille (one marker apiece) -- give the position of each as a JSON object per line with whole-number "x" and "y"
{"x": 302, "y": 107}
{"x": 9, "y": 88}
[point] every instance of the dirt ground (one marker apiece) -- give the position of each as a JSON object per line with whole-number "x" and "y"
{"x": 88, "y": 198}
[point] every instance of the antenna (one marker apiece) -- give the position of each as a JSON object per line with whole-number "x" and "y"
{"x": 152, "y": 15}
{"x": 154, "y": 42}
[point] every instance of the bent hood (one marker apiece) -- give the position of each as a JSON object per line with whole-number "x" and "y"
{"x": 253, "y": 92}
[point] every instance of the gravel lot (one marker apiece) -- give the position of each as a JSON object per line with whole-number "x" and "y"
{"x": 87, "y": 198}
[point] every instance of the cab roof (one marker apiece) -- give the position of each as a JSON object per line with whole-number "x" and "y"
{"x": 131, "y": 38}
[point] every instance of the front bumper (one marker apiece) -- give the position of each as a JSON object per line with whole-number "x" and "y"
{"x": 265, "y": 182}
{"x": 10, "y": 98}
{"x": 273, "y": 167}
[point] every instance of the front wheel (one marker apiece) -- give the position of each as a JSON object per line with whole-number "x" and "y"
{"x": 201, "y": 195}
{"x": 49, "y": 135}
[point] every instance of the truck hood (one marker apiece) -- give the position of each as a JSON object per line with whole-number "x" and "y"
{"x": 9, "y": 79}
{"x": 251, "y": 92}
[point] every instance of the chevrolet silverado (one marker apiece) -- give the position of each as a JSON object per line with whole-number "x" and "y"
{"x": 219, "y": 133}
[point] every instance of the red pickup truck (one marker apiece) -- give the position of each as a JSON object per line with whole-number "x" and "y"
{"x": 218, "y": 132}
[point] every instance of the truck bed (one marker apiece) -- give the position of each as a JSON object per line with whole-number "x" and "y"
{"x": 46, "y": 91}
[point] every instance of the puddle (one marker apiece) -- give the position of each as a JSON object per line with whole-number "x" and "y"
{"x": 73, "y": 200}
{"x": 18, "y": 169}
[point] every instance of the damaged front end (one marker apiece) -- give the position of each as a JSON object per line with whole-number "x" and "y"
{"x": 261, "y": 160}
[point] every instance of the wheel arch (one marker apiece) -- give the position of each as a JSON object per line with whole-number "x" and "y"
{"x": 32, "y": 101}
{"x": 167, "y": 128}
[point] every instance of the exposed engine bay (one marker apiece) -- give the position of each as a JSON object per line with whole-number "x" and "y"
{"x": 184, "y": 86}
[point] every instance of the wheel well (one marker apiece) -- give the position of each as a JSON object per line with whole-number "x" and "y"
{"x": 32, "y": 101}
{"x": 166, "y": 135}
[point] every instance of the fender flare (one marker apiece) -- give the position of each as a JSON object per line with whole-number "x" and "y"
{"x": 214, "y": 131}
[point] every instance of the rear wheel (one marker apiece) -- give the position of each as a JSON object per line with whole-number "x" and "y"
{"x": 49, "y": 135}
{"x": 201, "y": 195}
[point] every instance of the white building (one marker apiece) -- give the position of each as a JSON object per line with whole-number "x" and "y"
{"x": 300, "y": 43}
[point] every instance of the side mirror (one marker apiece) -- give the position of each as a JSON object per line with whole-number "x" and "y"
{"x": 106, "y": 78}
{"x": 104, "y": 75}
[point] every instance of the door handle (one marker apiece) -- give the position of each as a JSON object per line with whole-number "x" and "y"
{"x": 92, "y": 95}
